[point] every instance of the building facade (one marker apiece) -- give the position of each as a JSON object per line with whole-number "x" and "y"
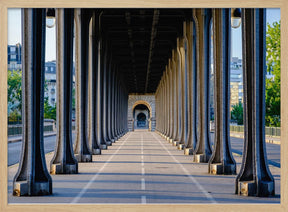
{"x": 50, "y": 78}
{"x": 236, "y": 81}
{"x": 14, "y": 56}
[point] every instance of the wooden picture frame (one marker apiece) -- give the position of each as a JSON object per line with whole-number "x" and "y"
{"x": 5, "y": 4}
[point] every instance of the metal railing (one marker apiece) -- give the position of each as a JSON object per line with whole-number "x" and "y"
{"x": 270, "y": 131}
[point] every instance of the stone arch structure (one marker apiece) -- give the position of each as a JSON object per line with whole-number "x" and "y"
{"x": 149, "y": 102}
{"x": 139, "y": 114}
{"x": 135, "y": 113}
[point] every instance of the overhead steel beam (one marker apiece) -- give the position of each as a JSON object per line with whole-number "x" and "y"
{"x": 152, "y": 42}
{"x": 128, "y": 20}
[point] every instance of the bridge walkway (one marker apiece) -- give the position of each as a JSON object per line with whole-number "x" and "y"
{"x": 143, "y": 168}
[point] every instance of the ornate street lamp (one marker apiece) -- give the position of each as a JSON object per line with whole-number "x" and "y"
{"x": 50, "y": 18}
{"x": 235, "y": 17}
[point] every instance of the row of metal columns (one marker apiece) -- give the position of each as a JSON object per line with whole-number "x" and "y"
{"x": 182, "y": 97}
{"x": 101, "y": 97}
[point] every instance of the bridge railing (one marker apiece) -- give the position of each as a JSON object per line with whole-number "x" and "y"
{"x": 270, "y": 131}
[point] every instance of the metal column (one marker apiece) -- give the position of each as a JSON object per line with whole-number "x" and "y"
{"x": 183, "y": 82}
{"x": 254, "y": 178}
{"x": 103, "y": 103}
{"x": 202, "y": 17}
{"x": 82, "y": 151}
{"x": 64, "y": 161}
{"x": 191, "y": 91}
{"x": 175, "y": 102}
{"x": 109, "y": 103}
{"x": 32, "y": 177}
{"x": 222, "y": 161}
{"x": 95, "y": 148}
{"x": 100, "y": 137}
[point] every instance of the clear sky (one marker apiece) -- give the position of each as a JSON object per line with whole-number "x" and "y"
{"x": 14, "y": 33}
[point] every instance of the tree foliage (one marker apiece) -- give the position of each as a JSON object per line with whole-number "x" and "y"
{"x": 237, "y": 113}
{"x": 273, "y": 53}
{"x": 49, "y": 110}
{"x": 14, "y": 90}
{"x": 73, "y": 98}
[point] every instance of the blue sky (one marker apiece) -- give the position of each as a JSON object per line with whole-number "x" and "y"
{"x": 272, "y": 15}
{"x": 14, "y": 33}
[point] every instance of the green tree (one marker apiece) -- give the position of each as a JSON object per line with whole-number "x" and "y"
{"x": 73, "y": 97}
{"x": 49, "y": 110}
{"x": 14, "y": 90}
{"x": 273, "y": 53}
{"x": 237, "y": 113}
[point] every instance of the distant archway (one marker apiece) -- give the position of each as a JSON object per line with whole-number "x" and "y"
{"x": 141, "y": 120}
{"x": 142, "y": 102}
{"x": 149, "y": 101}
{"x": 141, "y": 113}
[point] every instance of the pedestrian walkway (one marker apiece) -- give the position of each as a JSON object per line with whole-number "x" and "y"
{"x": 143, "y": 168}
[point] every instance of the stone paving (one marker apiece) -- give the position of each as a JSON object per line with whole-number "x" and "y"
{"x": 143, "y": 168}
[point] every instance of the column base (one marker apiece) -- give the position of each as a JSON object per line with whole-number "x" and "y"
{"x": 39, "y": 189}
{"x": 201, "y": 158}
{"x": 96, "y": 151}
{"x": 108, "y": 143}
{"x": 103, "y": 146}
{"x": 170, "y": 140}
{"x": 218, "y": 168}
{"x": 180, "y": 146}
{"x": 188, "y": 151}
{"x": 175, "y": 143}
{"x": 249, "y": 188}
{"x": 67, "y": 169}
{"x": 83, "y": 158}
{"x": 112, "y": 140}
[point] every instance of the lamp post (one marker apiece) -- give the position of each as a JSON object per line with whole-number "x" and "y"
{"x": 235, "y": 18}
{"x": 50, "y": 18}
